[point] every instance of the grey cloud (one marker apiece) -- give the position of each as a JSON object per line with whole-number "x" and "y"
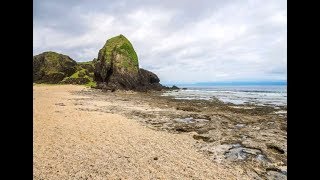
{"x": 181, "y": 41}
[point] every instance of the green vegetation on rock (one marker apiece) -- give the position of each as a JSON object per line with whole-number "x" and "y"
{"x": 77, "y": 74}
{"x": 52, "y": 67}
{"x": 86, "y": 65}
{"x": 82, "y": 76}
{"x": 126, "y": 57}
{"x": 116, "y": 67}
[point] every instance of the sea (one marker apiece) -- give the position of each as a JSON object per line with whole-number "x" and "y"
{"x": 264, "y": 95}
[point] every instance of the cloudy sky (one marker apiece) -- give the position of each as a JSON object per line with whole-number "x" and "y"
{"x": 181, "y": 40}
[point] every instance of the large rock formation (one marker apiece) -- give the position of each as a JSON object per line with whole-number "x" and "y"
{"x": 117, "y": 67}
{"x": 51, "y": 67}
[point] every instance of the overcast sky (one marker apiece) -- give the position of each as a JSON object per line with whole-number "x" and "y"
{"x": 179, "y": 40}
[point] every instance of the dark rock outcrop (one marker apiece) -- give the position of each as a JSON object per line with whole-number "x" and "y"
{"x": 52, "y": 67}
{"x": 147, "y": 77}
{"x": 148, "y": 80}
{"x": 117, "y": 67}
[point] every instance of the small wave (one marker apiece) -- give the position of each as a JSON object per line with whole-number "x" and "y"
{"x": 235, "y": 96}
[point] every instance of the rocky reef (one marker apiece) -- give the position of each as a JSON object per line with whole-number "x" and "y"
{"x": 250, "y": 139}
{"x": 117, "y": 67}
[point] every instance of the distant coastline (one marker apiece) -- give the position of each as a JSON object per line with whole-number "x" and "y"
{"x": 230, "y": 83}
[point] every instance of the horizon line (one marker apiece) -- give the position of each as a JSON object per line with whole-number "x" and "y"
{"x": 262, "y": 82}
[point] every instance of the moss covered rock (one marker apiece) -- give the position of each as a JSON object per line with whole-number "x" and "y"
{"x": 89, "y": 66}
{"x": 117, "y": 67}
{"x": 82, "y": 76}
{"x": 126, "y": 58}
{"x": 116, "y": 56}
{"x": 52, "y": 67}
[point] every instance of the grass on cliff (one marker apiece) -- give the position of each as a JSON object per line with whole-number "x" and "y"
{"x": 122, "y": 46}
{"x": 78, "y": 74}
{"x": 82, "y": 74}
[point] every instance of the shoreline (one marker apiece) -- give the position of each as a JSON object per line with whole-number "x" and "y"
{"x": 247, "y": 142}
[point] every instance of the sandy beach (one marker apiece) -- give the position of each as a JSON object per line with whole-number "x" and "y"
{"x": 74, "y": 139}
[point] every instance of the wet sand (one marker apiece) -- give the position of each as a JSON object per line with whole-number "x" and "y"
{"x": 82, "y": 133}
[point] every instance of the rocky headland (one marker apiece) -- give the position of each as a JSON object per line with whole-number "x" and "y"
{"x": 115, "y": 68}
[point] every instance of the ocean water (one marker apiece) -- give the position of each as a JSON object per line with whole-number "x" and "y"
{"x": 250, "y": 94}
